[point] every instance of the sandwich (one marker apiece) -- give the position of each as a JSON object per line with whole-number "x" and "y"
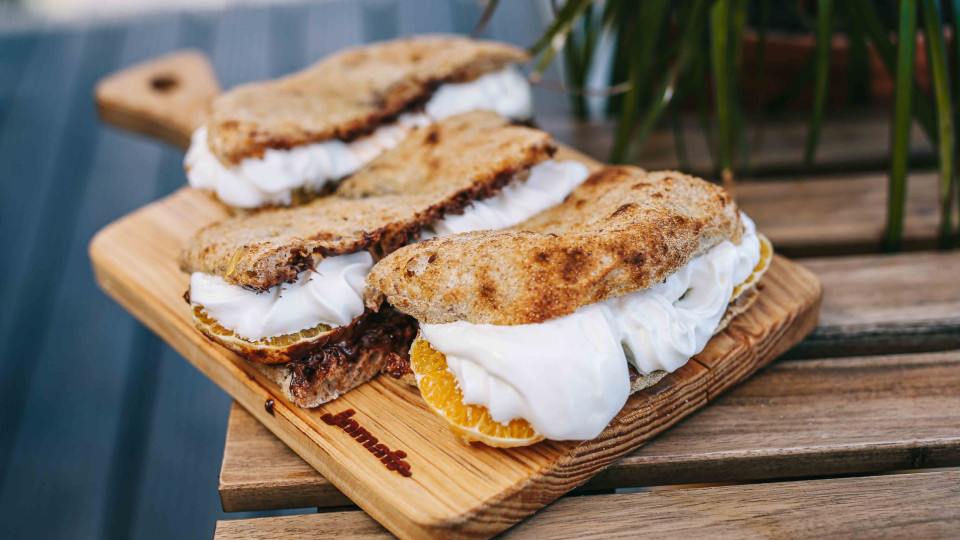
{"x": 285, "y": 141}
{"x": 543, "y": 330}
{"x": 283, "y": 287}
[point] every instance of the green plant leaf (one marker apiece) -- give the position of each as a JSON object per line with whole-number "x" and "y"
{"x": 760, "y": 71}
{"x": 821, "y": 77}
{"x": 954, "y": 191}
{"x": 667, "y": 90}
{"x": 877, "y": 32}
{"x": 720, "y": 63}
{"x": 556, "y": 35}
{"x": 940, "y": 79}
{"x": 738, "y": 28}
{"x": 902, "y": 101}
{"x": 643, "y": 39}
{"x": 858, "y": 72}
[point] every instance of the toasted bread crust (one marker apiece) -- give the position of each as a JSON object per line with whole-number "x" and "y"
{"x": 621, "y": 231}
{"x": 347, "y": 94}
{"x": 436, "y": 170}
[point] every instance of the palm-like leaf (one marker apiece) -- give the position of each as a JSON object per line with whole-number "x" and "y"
{"x": 940, "y": 77}
{"x": 821, "y": 76}
{"x": 903, "y": 97}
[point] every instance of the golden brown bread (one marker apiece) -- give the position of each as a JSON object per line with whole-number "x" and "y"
{"x": 436, "y": 170}
{"x": 347, "y": 94}
{"x": 621, "y": 231}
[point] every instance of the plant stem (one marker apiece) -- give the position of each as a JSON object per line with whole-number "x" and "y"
{"x": 940, "y": 80}
{"x": 903, "y": 98}
{"x": 719, "y": 54}
{"x": 822, "y": 74}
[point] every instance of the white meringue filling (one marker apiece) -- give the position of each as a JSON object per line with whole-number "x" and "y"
{"x": 331, "y": 294}
{"x": 272, "y": 179}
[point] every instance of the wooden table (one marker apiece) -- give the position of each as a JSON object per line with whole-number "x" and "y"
{"x": 861, "y": 417}
{"x": 839, "y": 442}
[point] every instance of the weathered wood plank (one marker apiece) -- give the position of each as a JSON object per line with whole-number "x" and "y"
{"x": 259, "y": 472}
{"x": 850, "y": 141}
{"x": 795, "y": 418}
{"x": 881, "y": 304}
{"x": 919, "y": 505}
{"x": 838, "y": 215}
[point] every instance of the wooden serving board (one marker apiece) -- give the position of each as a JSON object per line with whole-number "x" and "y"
{"x": 452, "y": 489}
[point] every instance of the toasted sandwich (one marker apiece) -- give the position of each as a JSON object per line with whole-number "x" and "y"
{"x": 283, "y": 287}
{"x": 282, "y": 142}
{"x": 543, "y": 330}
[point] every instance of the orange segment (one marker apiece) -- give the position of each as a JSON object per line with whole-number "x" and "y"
{"x": 766, "y": 255}
{"x": 471, "y": 422}
{"x": 232, "y": 341}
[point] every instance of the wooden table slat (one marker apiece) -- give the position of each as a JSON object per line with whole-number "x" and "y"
{"x": 849, "y": 141}
{"x": 838, "y": 215}
{"x": 884, "y": 304}
{"x": 918, "y": 505}
{"x": 796, "y": 418}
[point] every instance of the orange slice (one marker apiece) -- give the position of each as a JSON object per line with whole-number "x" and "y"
{"x": 269, "y": 350}
{"x": 766, "y": 256}
{"x": 471, "y": 422}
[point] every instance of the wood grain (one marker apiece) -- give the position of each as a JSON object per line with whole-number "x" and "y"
{"x": 166, "y": 98}
{"x": 850, "y": 141}
{"x": 795, "y": 418}
{"x": 838, "y": 215}
{"x": 918, "y": 505}
{"x": 456, "y": 489}
{"x": 880, "y": 304}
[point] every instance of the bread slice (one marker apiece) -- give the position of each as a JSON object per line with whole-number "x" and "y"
{"x": 348, "y": 94}
{"x": 621, "y": 231}
{"x": 436, "y": 170}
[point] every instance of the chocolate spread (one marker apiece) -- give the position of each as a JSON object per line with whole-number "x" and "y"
{"x": 387, "y": 331}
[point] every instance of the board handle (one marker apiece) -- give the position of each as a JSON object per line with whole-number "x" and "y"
{"x": 166, "y": 98}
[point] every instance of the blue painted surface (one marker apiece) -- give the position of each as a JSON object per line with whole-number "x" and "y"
{"x": 106, "y": 432}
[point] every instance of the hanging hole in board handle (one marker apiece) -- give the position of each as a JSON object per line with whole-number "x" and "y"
{"x": 164, "y": 83}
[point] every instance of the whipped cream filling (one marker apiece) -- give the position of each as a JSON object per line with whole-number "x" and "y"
{"x": 568, "y": 377}
{"x": 271, "y": 180}
{"x": 547, "y": 185}
{"x": 331, "y": 294}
